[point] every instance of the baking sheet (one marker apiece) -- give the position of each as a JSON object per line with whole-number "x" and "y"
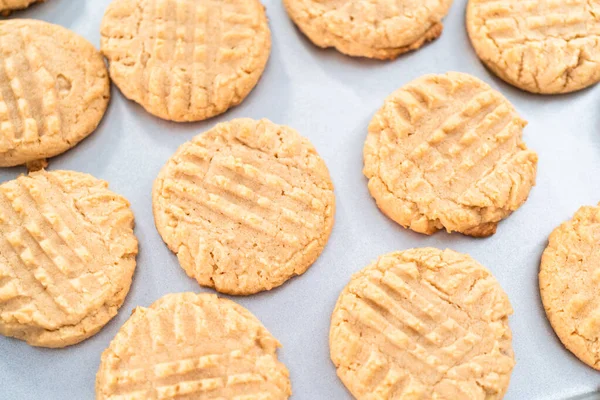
{"x": 330, "y": 98}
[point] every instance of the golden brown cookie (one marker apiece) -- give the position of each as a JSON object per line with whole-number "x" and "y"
{"x": 54, "y": 90}
{"x": 445, "y": 152}
{"x": 245, "y": 206}
{"x": 186, "y": 60}
{"x": 381, "y": 29}
{"x": 569, "y": 282}
{"x": 193, "y": 346}
{"x": 67, "y": 255}
{"x": 543, "y": 46}
{"x": 423, "y": 324}
{"x": 6, "y": 6}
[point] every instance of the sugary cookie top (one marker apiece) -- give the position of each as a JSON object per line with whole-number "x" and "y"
{"x": 67, "y": 255}
{"x": 423, "y": 323}
{"x": 445, "y": 151}
{"x": 186, "y": 60}
{"x": 245, "y": 206}
{"x": 54, "y": 90}
{"x": 189, "y": 344}
{"x": 378, "y": 29}
{"x": 569, "y": 281}
{"x": 542, "y": 46}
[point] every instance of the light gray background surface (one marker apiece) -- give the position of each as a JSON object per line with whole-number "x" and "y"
{"x": 330, "y": 98}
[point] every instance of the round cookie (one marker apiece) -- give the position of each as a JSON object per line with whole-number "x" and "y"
{"x": 445, "y": 151}
{"x": 6, "y": 6}
{"x": 185, "y": 345}
{"x": 423, "y": 324}
{"x": 381, "y": 29}
{"x": 245, "y": 206}
{"x": 54, "y": 90}
{"x": 186, "y": 60}
{"x": 67, "y": 256}
{"x": 539, "y": 46}
{"x": 569, "y": 280}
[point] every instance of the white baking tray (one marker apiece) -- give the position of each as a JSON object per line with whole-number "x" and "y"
{"x": 329, "y": 98}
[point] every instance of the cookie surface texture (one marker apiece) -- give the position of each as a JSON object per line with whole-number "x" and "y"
{"x": 186, "y": 60}
{"x": 569, "y": 281}
{"x": 423, "y": 324}
{"x": 445, "y": 152}
{"x": 381, "y": 29}
{"x": 54, "y": 90}
{"x": 545, "y": 46}
{"x": 192, "y": 346}
{"x": 11, "y": 5}
{"x": 67, "y": 256}
{"x": 245, "y": 206}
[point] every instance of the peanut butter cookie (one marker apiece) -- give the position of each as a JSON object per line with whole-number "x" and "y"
{"x": 245, "y": 206}
{"x": 186, "y": 60}
{"x": 67, "y": 256}
{"x": 6, "y": 6}
{"x": 381, "y": 29}
{"x": 193, "y": 346}
{"x": 445, "y": 152}
{"x": 423, "y": 324}
{"x": 569, "y": 282}
{"x": 54, "y": 90}
{"x": 543, "y": 46}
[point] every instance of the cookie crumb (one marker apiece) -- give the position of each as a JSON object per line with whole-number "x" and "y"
{"x": 36, "y": 165}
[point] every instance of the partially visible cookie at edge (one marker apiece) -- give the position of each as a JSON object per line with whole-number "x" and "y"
{"x": 187, "y": 344}
{"x": 7, "y": 6}
{"x": 245, "y": 206}
{"x": 544, "y": 47}
{"x": 186, "y": 60}
{"x": 446, "y": 152}
{"x": 569, "y": 280}
{"x": 423, "y": 324}
{"x": 54, "y": 90}
{"x": 381, "y": 29}
{"x": 67, "y": 256}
